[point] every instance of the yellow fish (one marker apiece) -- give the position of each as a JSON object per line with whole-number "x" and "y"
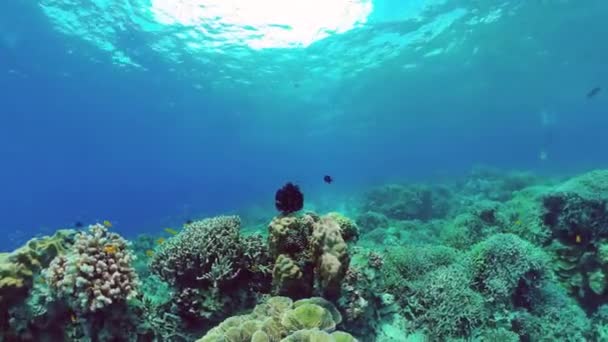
{"x": 73, "y": 318}
{"x": 518, "y": 222}
{"x": 160, "y": 240}
{"x": 171, "y": 231}
{"x": 579, "y": 239}
{"x": 109, "y": 249}
{"x": 150, "y": 253}
{"x": 107, "y": 224}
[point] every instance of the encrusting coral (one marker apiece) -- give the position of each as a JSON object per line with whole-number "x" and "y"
{"x": 95, "y": 272}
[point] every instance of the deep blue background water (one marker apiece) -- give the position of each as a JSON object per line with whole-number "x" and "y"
{"x": 90, "y": 141}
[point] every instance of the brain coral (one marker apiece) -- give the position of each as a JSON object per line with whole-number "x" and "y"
{"x": 95, "y": 272}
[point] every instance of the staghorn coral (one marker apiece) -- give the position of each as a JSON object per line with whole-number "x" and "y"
{"x": 95, "y": 272}
{"x": 279, "y": 319}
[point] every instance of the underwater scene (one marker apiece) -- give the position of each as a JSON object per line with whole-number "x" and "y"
{"x": 303, "y": 170}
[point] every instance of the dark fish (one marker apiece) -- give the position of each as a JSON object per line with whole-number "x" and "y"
{"x": 188, "y": 221}
{"x": 591, "y": 94}
{"x": 296, "y": 84}
{"x": 289, "y": 199}
{"x": 78, "y": 224}
{"x": 328, "y": 179}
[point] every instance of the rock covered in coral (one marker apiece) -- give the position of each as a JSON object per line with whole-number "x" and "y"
{"x": 308, "y": 251}
{"x": 279, "y": 319}
{"x": 96, "y": 271}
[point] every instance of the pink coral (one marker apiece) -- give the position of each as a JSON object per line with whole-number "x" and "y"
{"x": 95, "y": 272}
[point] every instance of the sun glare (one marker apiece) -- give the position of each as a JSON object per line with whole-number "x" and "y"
{"x": 263, "y": 24}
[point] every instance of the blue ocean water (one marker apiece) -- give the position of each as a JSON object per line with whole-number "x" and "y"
{"x": 150, "y": 112}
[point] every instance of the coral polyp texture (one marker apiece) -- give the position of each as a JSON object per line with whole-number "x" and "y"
{"x": 96, "y": 271}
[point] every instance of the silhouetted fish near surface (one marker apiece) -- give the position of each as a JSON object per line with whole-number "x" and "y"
{"x": 327, "y": 179}
{"x": 78, "y": 224}
{"x": 593, "y": 92}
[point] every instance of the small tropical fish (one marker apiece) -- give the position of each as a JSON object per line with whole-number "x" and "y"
{"x": 188, "y": 221}
{"x": 518, "y": 222}
{"x": 149, "y": 253}
{"x": 579, "y": 239}
{"x": 78, "y": 224}
{"x": 73, "y": 318}
{"x": 109, "y": 249}
{"x": 107, "y": 224}
{"x": 591, "y": 94}
{"x": 171, "y": 231}
{"x": 327, "y": 179}
{"x": 160, "y": 240}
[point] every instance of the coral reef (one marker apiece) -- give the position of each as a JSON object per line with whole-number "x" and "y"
{"x": 95, "y": 273}
{"x": 412, "y": 202}
{"x": 496, "y": 257}
{"x": 281, "y": 319}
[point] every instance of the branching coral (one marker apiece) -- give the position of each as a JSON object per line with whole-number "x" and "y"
{"x": 213, "y": 268}
{"x": 280, "y": 319}
{"x": 96, "y": 271}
